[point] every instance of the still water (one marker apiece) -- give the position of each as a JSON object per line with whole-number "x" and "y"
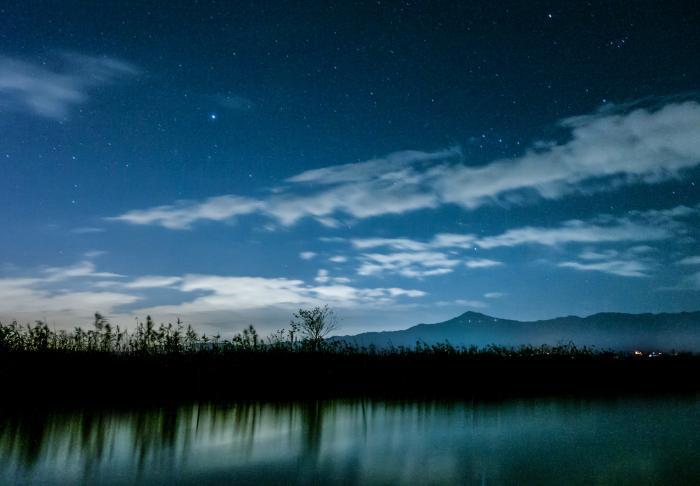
{"x": 533, "y": 441}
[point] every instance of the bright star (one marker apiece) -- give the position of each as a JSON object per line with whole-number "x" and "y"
{"x": 212, "y": 116}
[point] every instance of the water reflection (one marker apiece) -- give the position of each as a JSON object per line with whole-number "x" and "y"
{"x": 529, "y": 441}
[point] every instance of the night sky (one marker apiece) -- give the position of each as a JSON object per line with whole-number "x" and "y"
{"x": 227, "y": 162}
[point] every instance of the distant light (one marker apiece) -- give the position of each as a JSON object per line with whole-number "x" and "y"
{"x": 212, "y": 116}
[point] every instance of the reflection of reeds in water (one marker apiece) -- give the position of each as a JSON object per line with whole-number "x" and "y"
{"x": 161, "y": 436}
{"x": 357, "y": 441}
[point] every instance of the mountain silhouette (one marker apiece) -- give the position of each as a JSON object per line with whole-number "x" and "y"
{"x": 616, "y": 331}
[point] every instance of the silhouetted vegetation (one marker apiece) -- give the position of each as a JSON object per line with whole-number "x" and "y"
{"x": 173, "y": 360}
{"x": 315, "y": 324}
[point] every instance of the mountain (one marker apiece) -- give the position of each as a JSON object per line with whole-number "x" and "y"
{"x": 665, "y": 332}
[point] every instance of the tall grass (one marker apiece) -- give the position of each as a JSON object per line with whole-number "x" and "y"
{"x": 173, "y": 361}
{"x": 172, "y": 339}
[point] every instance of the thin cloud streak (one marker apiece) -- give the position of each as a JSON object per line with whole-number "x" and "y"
{"x": 51, "y": 93}
{"x": 645, "y": 226}
{"x": 691, "y": 260}
{"x": 439, "y": 255}
{"x": 621, "y": 268}
{"x": 603, "y": 153}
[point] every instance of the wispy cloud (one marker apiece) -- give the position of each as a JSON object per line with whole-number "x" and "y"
{"x": 84, "y": 269}
{"x": 233, "y": 102}
{"x": 413, "y": 264}
{"x": 51, "y": 89}
{"x": 481, "y": 263}
{"x": 636, "y": 261}
{"x": 636, "y": 226}
{"x": 623, "y": 268}
{"x": 87, "y": 230}
{"x": 152, "y": 282}
{"x": 400, "y": 244}
{"x": 30, "y": 298}
{"x": 440, "y": 254}
{"x": 494, "y": 295}
{"x": 691, "y": 260}
{"x": 236, "y": 294}
{"x": 474, "y": 304}
{"x": 322, "y": 276}
{"x": 184, "y": 213}
{"x": 70, "y": 295}
{"x": 576, "y": 231}
{"x": 603, "y": 152}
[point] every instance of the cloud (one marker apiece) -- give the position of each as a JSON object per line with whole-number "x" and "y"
{"x": 389, "y": 168}
{"x": 598, "y": 255}
{"x": 630, "y": 262}
{"x": 233, "y": 102}
{"x": 494, "y": 295}
{"x": 307, "y": 255}
{"x": 400, "y": 244}
{"x": 471, "y": 303}
{"x": 636, "y": 226}
{"x": 338, "y": 259}
{"x": 87, "y": 230}
{"x": 575, "y": 231}
{"x": 603, "y": 152}
{"x": 342, "y": 295}
{"x": 691, "y": 260}
{"x": 476, "y": 304}
{"x": 29, "y": 299}
{"x": 84, "y": 269}
{"x": 639, "y": 146}
{"x": 415, "y": 264}
{"x": 51, "y": 92}
{"x": 322, "y": 276}
{"x": 67, "y": 296}
{"x": 240, "y": 294}
{"x": 182, "y": 214}
{"x": 152, "y": 282}
{"x": 440, "y": 254}
{"x": 623, "y": 268}
{"x": 481, "y": 263}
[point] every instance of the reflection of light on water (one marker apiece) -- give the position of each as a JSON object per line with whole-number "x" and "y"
{"x": 358, "y": 441}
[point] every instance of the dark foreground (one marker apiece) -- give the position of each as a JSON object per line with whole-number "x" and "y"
{"x": 575, "y": 440}
{"x": 81, "y": 377}
{"x": 437, "y": 416}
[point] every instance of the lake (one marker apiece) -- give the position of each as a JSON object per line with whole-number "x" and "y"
{"x": 528, "y": 441}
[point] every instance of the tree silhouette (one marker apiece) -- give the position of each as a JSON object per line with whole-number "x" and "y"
{"x": 315, "y": 324}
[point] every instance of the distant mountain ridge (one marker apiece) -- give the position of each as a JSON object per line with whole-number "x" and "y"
{"x": 607, "y": 330}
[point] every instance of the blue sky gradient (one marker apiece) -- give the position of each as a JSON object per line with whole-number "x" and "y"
{"x": 401, "y": 162}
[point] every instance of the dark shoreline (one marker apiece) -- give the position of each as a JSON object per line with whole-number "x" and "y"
{"x": 64, "y": 378}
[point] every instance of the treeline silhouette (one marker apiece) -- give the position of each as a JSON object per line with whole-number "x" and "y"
{"x": 168, "y": 339}
{"x": 173, "y": 361}
{"x": 306, "y": 331}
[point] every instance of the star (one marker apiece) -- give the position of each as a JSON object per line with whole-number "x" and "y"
{"x": 213, "y": 116}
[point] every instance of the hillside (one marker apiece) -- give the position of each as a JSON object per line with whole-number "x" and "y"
{"x": 679, "y": 331}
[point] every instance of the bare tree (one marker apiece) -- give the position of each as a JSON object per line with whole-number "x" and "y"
{"x": 315, "y": 324}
